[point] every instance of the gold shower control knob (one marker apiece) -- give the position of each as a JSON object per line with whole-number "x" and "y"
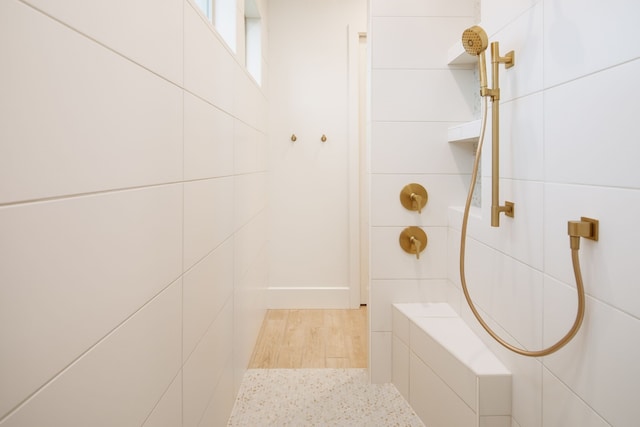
{"x": 414, "y": 197}
{"x": 413, "y": 240}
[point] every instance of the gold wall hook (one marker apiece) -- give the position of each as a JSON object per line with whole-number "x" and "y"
{"x": 414, "y": 197}
{"x": 413, "y": 240}
{"x": 323, "y": 138}
{"x": 293, "y": 137}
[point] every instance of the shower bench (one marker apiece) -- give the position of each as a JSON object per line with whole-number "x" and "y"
{"x": 445, "y": 371}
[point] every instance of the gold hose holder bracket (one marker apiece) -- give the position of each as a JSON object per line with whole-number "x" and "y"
{"x": 588, "y": 228}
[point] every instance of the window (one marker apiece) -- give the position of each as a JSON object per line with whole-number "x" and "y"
{"x": 225, "y": 21}
{"x": 205, "y": 7}
{"x": 253, "y": 40}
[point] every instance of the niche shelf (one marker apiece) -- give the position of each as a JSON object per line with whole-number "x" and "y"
{"x": 465, "y": 132}
{"x": 456, "y": 55}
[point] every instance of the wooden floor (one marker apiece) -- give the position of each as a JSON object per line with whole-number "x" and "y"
{"x": 312, "y": 339}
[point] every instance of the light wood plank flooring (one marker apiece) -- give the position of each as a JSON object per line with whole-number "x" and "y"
{"x": 291, "y": 339}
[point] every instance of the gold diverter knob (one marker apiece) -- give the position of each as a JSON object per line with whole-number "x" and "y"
{"x": 413, "y": 240}
{"x": 414, "y": 197}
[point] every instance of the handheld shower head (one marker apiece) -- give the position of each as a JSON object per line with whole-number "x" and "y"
{"x": 475, "y": 42}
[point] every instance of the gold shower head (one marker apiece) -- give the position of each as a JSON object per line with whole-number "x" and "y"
{"x": 475, "y": 40}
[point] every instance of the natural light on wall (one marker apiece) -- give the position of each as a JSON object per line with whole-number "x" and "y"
{"x": 253, "y": 33}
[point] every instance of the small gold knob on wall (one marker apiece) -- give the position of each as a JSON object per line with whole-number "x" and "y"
{"x": 293, "y": 137}
{"x": 323, "y": 138}
{"x": 414, "y": 197}
{"x": 413, "y": 240}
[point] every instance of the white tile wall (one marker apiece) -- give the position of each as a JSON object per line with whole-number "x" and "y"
{"x": 121, "y": 301}
{"x": 396, "y": 37}
{"x": 205, "y": 366}
{"x": 73, "y": 270}
{"x": 579, "y": 117}
{"x": 405, "y": 93}
{"x": 431, "y": 398}
{"x": 572, "y": 48}
{"x": 422, "y": 8}
{"x": 208, "y": 216}
{"x": 202, "y": 301}
{"x": 563, "y": 408}
{"x": 118, "y": 381}
{"x": 567, "y": 150}
{"x": 603, "y": 353}
{"x": 416, "y": 147}
{"x": 208, "y": 140}
{"x": 168, "y": 411}
{"x": 148, "y": 33}
{"x": 96, "y": 122}
{"x": 208, "y": 73}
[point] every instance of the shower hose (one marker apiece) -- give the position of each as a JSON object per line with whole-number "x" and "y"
{"x": 463, "y": 237}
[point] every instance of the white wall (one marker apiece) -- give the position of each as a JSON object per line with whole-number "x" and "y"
{"x": 313, "y": 49}
{"x": 415, "y": 98}
{"x": 132, "y": 215}
{"x": 568, "y": 149}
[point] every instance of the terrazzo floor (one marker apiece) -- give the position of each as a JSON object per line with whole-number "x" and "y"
{"x": 318, "y": 397}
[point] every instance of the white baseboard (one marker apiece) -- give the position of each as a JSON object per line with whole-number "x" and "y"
{"x": 307, "y": 297}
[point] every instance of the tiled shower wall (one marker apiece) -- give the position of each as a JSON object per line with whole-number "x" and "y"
{"x": 568, "y": 149}
{"x": 132, "y": 214}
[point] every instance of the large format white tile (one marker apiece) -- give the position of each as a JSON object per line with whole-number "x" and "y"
{"x": 526, "y": 404}
{"x": 415, "y": 42}
{"x": 561, "y": 407}
{"x": 389, "y": 261}
{"x": 208, "y": 216}
{"x": 600, "y": 364}
{"x": 516, "y": 300}
{"x": 432, "y": 399}
{"x": 417, "y": 147}
{"x": 119, "y": 381}
{"x": 591, "y": 131}
{"x": 205, "y": 367}
{"x": 521, "y": 138}
{"x": 400, "y": 374}
{"x": 250, "y": 103}
{"x": 520, "y": 236}
{"x": 380, "y": 357}
{"x": 496, "y": 14}
{"x": 422, "y": 8}
{"x": 452, "y": 371}
{"x": 221, "y": 403}
{"x": 608, "y": 265}
{"x": 384, "y": 293}
{"x": 207, "y": 287}
{"x": 208, "y": 65}
{"x": 145, "y": 31}
{"x": 92, "y": 121}
{"x": 74, "y": 269}
{"x": 250, "y": 197}
{"x": 422, "y": 95}
{"x": 208, "y": 140}
{"x": 250, "y": 148}
{"x": 442, "y": 191}
{"x": 581, "y": 38}
{"x": 168, "y": 411}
